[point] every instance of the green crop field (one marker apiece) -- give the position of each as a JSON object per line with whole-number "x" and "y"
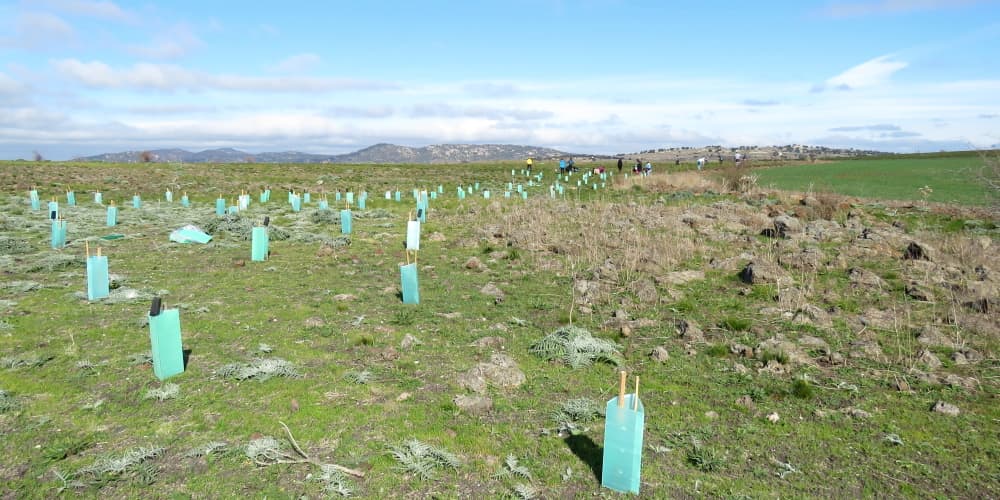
{"x": 783, "y": 350}
{"x": 951, "y": 178}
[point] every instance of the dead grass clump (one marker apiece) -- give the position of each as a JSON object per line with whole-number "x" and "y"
{"x": 827, "y": 205}
{"x": 692, "y": 182}
{"x": 738, "y": 180}
{"x": 11, "y": 246}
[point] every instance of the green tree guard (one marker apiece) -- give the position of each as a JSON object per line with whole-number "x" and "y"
{"x": 98, "y": 284}
{"x": 112, "y": 215}
{"x": 258, "y": 244}
{"x": 623, "y": 428}
{"x": 165, "y": 337}
{"x": 345, "y": 221}
{"x": 408, "y": 281}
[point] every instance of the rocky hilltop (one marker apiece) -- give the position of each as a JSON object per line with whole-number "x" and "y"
{"x": 379, "y": 153}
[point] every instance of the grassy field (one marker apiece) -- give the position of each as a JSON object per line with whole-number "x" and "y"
{"x": 815, "y": 378}
{"x": 951, "y": 178}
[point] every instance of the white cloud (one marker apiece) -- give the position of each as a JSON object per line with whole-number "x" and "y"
{"x": 167, "y": 77}
{"x": 99, "y": 9}
{"x": 298, "y": 63}
{"x": 888, "y": 7}
{"x": 37, "y": 30}
{"x": 173, "y": 43}
{"x": 9, "y": 86}
{"x": 866, "y": 74}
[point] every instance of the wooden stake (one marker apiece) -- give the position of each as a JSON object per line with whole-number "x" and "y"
{"x": 621, "y": 388}
{"x": 98, "y": 251}
{"x": 635, "y": 398}
{"x": 86, "y": 246}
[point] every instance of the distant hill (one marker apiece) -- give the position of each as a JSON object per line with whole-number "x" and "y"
{"x": 379, "y": 153}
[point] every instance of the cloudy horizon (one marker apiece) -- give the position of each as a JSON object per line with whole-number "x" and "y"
{"x": 84, "y": 77}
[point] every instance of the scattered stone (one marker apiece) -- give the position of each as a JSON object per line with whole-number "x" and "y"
{"x": 931, "y": 336}
{"x": 794, "y": 353}
{"x": 711, "y": 415}
{"x": 901, "y": 385}
{"x": 972, "y": 356}
{"x": 409, "y": 341}
{"x": 493, "y": 291}
{"x": 586, "y": 291}
{"x": 389, "y": 354}
{"x": 626, "y": 331}
{"x": 866, "y": 349}
{"x": 680, "y": 277}
{"x": 774, "y": 367}
{"x": 747, "y": 402}
{"x": 741, "y": 369}
{"x": 856, "y": 413}
{"x": 660, "y": 354}
{"x": 501, "y": 371}
{"x": 473, "y": 405}
{"x": 741, "y": 350}
{"x": 834, "y": 358}
{"x": 861, "y": 277}
{"x": 689, "y": 331}
{"x": 474, "y": 264}
{"x": 344, "y": 297}
{"x": 785, "y": 225}
{"x": 451, "y": 315}
{"x": 928, "y": 359}
{"x": 403, "y": 397}
{"x": 436, "y": 236}
{"x": 969, "y": 383}
{"x": 946, "y": 408}
{"x": 646, "y": 292}
{"x": 763, "y": 272}
{"x": 811, "y": 342}
{"x": 919, "y": 291}
{"x": 919, "y": 251}
{"x": 314, "y": 322}
{"x": 500, "y": 327}
{"x": 489, "y": 342}
{"x": 773, "y": 417}
{"x": 808, "y": 259}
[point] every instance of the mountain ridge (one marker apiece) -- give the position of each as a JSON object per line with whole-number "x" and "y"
{"x": 376, "y": 153}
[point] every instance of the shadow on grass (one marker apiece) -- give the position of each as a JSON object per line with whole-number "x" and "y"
{"x": 587, "y": 450}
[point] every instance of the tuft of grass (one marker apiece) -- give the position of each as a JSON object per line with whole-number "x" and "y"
{"x": 576, "y": 347}
{"x": 210, "y": 448}
{"x": 422, "y": 459}
{"x": 403, "y": 317}
{"x": 578, "y": 410}
{"x": 259, "y": 369}
{"x": 703, "y": 458}
{"x": 66, "y": 447}
{"x": 735, "y": 324}
{"x": 774, "y": 355}
{"x": 361, "y": 377}
{"x": 717, "y": 351}
{"x": 363, "y": 339}
{"x": 24, "y": 361}
{"x": 168, "y": 391}
{"x": 802, "y": 389}
{"x": 512, "y": 468}
{"x": 8, "y": 402}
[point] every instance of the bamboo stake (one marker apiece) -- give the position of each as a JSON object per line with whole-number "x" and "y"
{"x": 98, "y": 251}
{"x": 635, "y": 399}
{"x": 86, "y": 247}
{"x": 621, "y": 388}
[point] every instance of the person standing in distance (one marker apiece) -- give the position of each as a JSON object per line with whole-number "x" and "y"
{"x": 528, "y": 163}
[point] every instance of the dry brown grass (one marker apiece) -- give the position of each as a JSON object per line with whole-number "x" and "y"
{"x": 668, "y": 182}
{"x": 638, "y": 240}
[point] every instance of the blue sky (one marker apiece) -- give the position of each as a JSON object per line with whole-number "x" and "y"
{"x": 81, "y": 77}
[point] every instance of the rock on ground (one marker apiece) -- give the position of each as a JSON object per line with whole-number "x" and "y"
{"x": 474, "y": 405}
{"x": 501, "y": 371}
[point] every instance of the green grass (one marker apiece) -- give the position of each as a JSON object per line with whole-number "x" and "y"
{"x": 74, "y": 395}
{"x": 952, "y": 179}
